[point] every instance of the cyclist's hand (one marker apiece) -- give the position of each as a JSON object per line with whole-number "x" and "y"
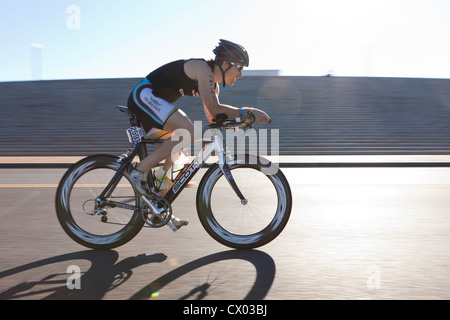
{"x": 260, "y": 116}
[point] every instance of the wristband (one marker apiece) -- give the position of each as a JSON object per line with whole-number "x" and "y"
{"x": 241, "y": 112}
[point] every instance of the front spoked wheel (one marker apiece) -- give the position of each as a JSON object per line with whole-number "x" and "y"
{"x": 98, "y": 225}
{"x": 245, "y": 224}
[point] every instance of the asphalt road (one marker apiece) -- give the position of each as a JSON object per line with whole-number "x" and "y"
{"x": 354, "y": 233}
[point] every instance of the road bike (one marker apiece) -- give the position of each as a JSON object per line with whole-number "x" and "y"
{"x": 243, "y": 200}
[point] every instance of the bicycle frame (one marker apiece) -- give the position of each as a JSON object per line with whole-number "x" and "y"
{"x": 214, "y": 144}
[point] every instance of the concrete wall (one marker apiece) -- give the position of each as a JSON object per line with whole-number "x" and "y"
{"x": 315, "y": 115}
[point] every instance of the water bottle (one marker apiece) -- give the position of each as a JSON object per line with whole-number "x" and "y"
{"x": 161, "y": 178}
{"x": 182, "y": 160}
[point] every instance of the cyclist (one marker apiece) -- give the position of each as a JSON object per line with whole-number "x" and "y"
{"x": 152, "y": 103}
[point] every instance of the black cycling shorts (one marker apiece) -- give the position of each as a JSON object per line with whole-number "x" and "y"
{"x": 151, "y": 111}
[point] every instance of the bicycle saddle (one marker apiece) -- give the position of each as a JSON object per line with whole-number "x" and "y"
{"x": 124, "y": 110}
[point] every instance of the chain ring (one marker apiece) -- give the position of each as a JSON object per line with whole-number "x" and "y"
{"x": 157, "y": 220}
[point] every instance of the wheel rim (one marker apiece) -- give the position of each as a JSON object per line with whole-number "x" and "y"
{"x": 76, "y": 183}
{"x": 264, "y": 230}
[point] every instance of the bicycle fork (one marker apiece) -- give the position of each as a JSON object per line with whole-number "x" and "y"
{"x": 225, "y": 168}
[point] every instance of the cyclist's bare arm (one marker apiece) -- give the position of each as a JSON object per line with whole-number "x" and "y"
{"x": 200, "y": 71}
{"x": 207, "y": 112}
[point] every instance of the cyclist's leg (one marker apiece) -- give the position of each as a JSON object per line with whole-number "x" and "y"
{"x": 155, "y": 133}
{"x": 168, "y": 119}
{"x": 169, "y": 150}
{"x": 158, "y": 115}
{"x": 178, "y": 120}
{"x": 152, "y": 112}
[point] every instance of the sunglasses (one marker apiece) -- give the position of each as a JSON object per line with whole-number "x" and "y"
{"x": 238, "y": 66}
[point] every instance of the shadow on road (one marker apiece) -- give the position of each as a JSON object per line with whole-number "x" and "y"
{"x": 265, "y": 274}
{"x": 105, "y": 275}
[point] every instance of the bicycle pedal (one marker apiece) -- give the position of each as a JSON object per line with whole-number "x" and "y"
{"x": 176, "y": 224}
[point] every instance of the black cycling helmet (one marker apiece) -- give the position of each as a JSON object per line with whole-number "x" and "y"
{"x": 230, "y": 51}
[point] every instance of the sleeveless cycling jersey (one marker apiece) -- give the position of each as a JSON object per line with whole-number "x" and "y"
{"x": 151, "y": 100}
{"x": 170, "y": 82}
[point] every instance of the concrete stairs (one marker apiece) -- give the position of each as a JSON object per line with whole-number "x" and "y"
{"x": 314, "y": 115}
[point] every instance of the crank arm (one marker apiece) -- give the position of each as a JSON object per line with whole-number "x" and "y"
{"x": 152, "y": 207}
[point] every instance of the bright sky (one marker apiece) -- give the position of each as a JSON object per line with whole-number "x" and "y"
{"x": 111, "y": 39}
